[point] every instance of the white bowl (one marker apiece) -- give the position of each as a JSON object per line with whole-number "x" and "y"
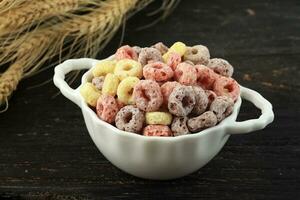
{"x": 159, "y": 158}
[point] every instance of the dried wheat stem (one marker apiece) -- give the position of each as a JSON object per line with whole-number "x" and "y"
{"x": 8, "y": 4}
{"x": 26, "y": 14}
{"x": 43, "y": 44}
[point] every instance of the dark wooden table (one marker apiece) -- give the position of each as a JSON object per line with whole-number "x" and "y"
{"x": 46, "y": 152}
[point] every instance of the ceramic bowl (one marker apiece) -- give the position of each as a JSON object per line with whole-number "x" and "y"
{"x": 159, "y": 158}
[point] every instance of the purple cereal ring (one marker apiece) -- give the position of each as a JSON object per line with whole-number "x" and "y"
{"x": 157, "y": 71}
{"x": 197, "y": 54}
{"x": 221, "y": 66}
{"x": 206, "y": 120}
{"x": 185, "y": 74}
{"x": 201, "y": 101}
{"x": 147, "y": 95}
{"x": 205, "y": 77}
{"x": 130, "y": 119}
{"x": 137, "y": 49}
{"x": 98, "y": 82}
{"x": 157, "y": 130}
{"x": 149, "y": 54}
{"x": 179, "y": 126}
{"x": 161, "y": 47}
{"x": 173, "y": 60}
{"x": 167, "y": 88}
{"x": 181, "y": 101}
{"x": 222, "y": 106}
{"x": 226, "y": 86}
{"x": 211, "y": 96}
{"x": 125, "y": 52}
{"x": 107, "y": 108}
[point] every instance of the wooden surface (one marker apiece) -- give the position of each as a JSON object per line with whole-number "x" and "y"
{"x": 46, "y": 152}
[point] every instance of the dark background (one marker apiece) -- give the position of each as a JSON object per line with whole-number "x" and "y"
{"x": 46, "y": 152}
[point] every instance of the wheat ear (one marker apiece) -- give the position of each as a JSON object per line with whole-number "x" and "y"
{"x": 18, "y": 19}
{"x": 49, "y": 40}
{"x": 8, "y": 4}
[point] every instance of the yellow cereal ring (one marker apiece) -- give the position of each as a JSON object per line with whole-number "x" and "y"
{"x": 104, "y": 67}
{"x": 128, "y": 67}
{"x": 177, "y": 47}
{"x": 162, "y": 118}
{"x": 125, "y": 89}
{"x": 90, "y": 94}
{"x": 110, "y": 84}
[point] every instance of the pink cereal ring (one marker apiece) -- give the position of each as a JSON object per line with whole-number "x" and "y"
{"x": 186, "y": 74}
{"x": 157, "y": 130}
{"x": 147, "y": 95}
{"x": 107, "y": 108}
{"x": 173, "y": 60}
{"x": 157, "y": 71}
{"x": 205, "y": 77}
{"x": 226, "y": 86}
{"x": 167, "y": 88}
{"x": 126, "y": 52}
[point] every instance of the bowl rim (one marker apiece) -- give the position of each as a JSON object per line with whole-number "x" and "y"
{"x": 85, "y": 108}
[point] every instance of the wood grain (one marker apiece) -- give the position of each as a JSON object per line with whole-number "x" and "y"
{"x": 46, "y": 152}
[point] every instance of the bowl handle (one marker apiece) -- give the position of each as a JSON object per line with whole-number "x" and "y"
{"x": 67, "y": 66}
{"x": 250, "y": 125}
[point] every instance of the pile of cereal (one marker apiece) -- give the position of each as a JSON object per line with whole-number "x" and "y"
{"x": 161, "y": 91}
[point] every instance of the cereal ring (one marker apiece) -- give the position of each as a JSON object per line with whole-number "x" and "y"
{"x": 147, "y": 95}
{"x": 205, "y": 77}
{"x": 189, "y": 62}
{"x": 221, "y": 66}
{"x": 181, "y": 101}
{"x": 157, "y": 130}
{"x": 211, "y": 96}
{"x": 222, "y": 106}
{"x": 90, "y": 94}
{"x": 125, "y": 89}
{"x": 98, "y": 82}
{"x": 130, "y": 119}
{"x": 104, "y": 67}
{"x": 198, "y": 54}
{"x": 110, "y": 84}
{"x": 179, "y": 126}
{"x": 161, "y": 47}
{"x": 127, "y": 67}
{"x": 206, "y": 120}
{"x": 137, "y": 49}
{"x": 157, "y": 71}
{"x": 125, "y": 52}
{"x": 173, "y": 60}
{"x": 201, "y": 101}
{"x": 149, "y": 54}
{"x": 186, "y": 74}
{"x": 177, "y": 47}
{"x": 226, "y": 86}
{"x": 167, "y": 88}
{"x": 107, "y": 108}
{"x": 162, "y": 118}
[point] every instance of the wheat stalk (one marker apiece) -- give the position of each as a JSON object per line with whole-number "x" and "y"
{"x": 23, "y": 17}
{"x": 104, "y": 19}
{"x": 7, "y": 4}
{"x": 85, "y": 35}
